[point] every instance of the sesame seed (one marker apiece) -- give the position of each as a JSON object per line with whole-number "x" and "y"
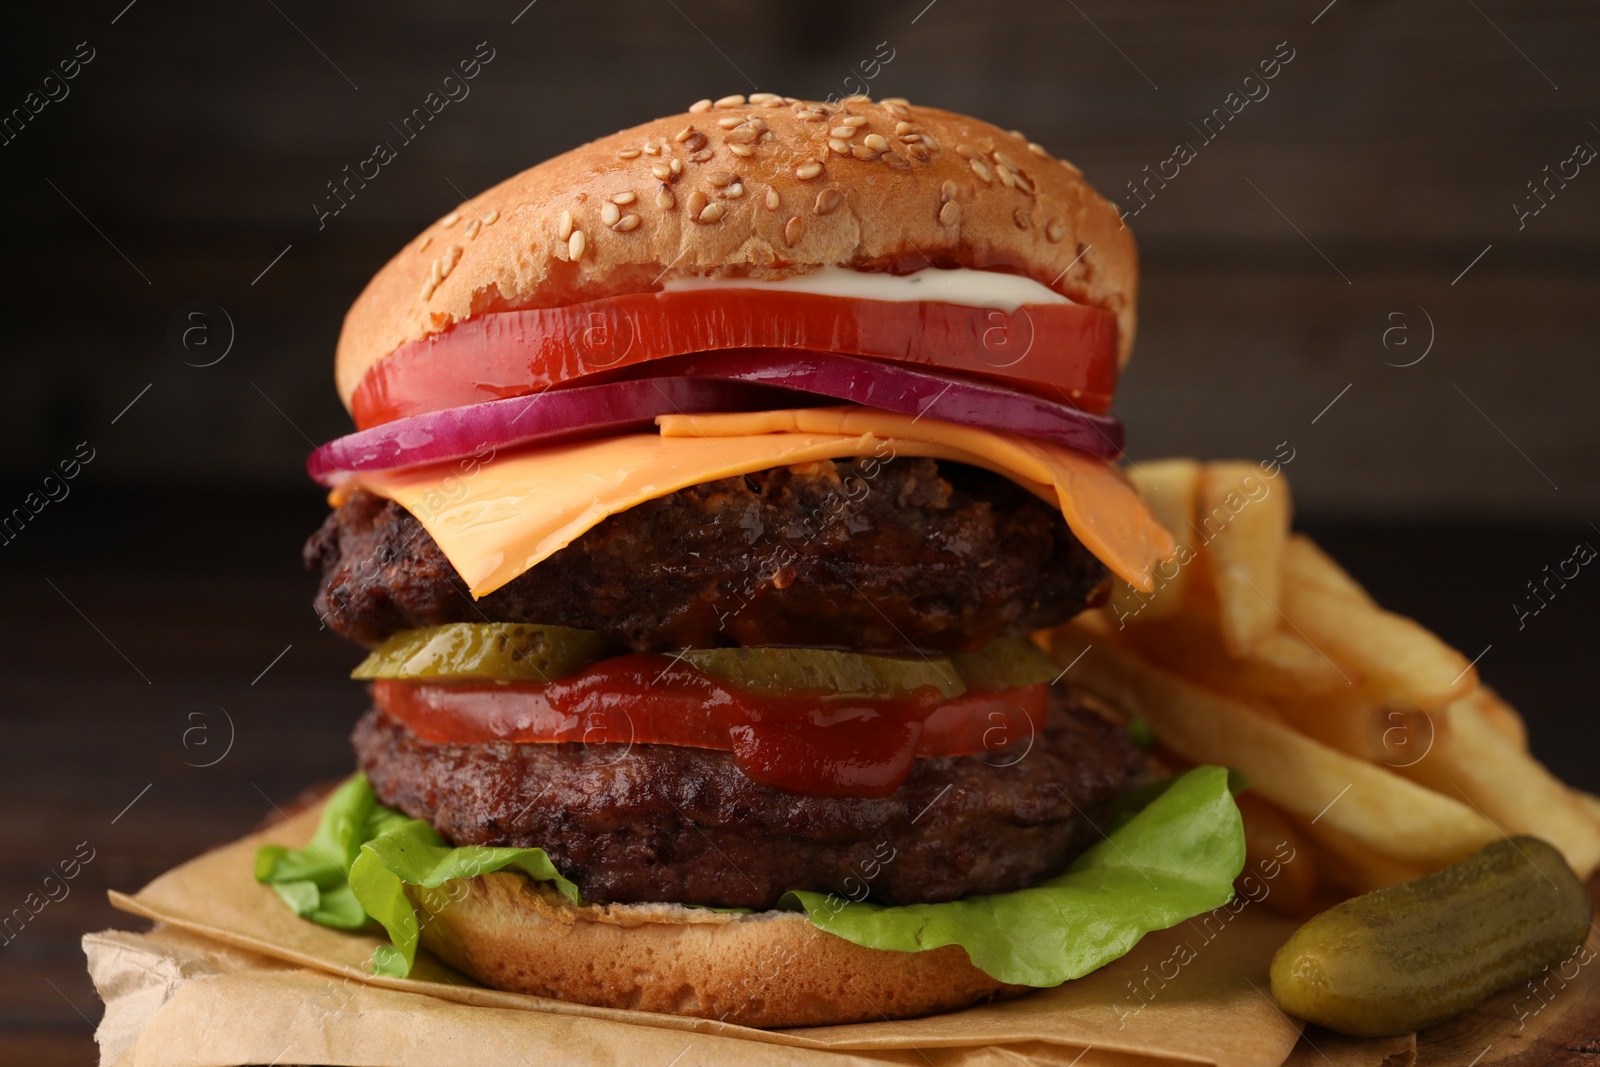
{"x": 576, "y": 245}
{"x": 1022, "y": 181}
{"x": 911, "y": 138}
{"x": 948, "y": 191}
{"x": 652, "y": 149}
{"x": 793, "y": 230}
{"x": 918, "y": 152}
{"x": 773, "y": 103}
{"x": 827, "y": 201}
{"x": 929, "y": 141}
{"x": 950, "y": 214}
{"x": 699, "y": 106}
{"x": 728, "y": 122}
{"x": 427, "y": 239}
{"x": 676, "y": 167}
{"x": 1070, "y": 167}
{"x": 661, "y": 171}
{"x": 628, "y": 222}
{"x": 863, "y": 152}
{"x": 806, "y": 171}
{"x": 450, "y": 219}
{"x": 1003, "y": 159}
{"x": 473, "y": 226}
{"x": 742, "y": 150}
{"x": 1055, "y": 230}
{"x": 664, "y": 198}
{"x": 700, "y": 156}
{"x": 772, "y": 199}
{"x": 490, "y": 217}
{"x": 564, "y": 225}
{"x": 623, "y": 198}
{"x": 712, "y": 213}
{"x": 876, "y": 141}
{"x": 902, "y": 128}
{"x": 892, "y": 100}
{"x": 428, "y": 287}
{"x": 1006, "y": 176}
{"x": 610, "y": 213}
{"x": 844, "y": 133}
{"x": 628, "y": 153}
{"x": 965, "y": 151}
{"x": 743, "y": 135}
{"x": 734, "y": 191}
{"x": 811, "y": 116}
{"x": 448, "y": 261}
{"x": 854, "y": 120}
{"x": 841, "y": 147}
{"x": 896, "y": 160}
{"x": 857, "y": 98}
{"x": 697, "y": 203}
{"x": 1017, "y": 134}
{"x": 1022, "y": 217}
{"x": 1038, "y": 149}
{"x": 981, "y": 169}
{"x": 765, "y": 98}
{"x": 719, "y": 178}
{"x": 696, "y": 141}
{"x": 683, "y": 134}
{"x": 735, "y": 100}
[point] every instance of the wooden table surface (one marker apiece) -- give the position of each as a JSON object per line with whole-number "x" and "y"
{"x": 164, "y": 684}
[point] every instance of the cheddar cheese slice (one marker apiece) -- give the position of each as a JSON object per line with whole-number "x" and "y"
{"x": 496, "y": 519}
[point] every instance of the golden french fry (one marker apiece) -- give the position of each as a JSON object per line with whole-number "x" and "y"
{"x": 1506, "y": 720}
{"x": 1390, "y": 815}
{"x": 1243, "y": 523}
{"x": 1168, "y": 487}
{"x": 1281, "y": 666}
{"x": 1352, "y": 866}
{"x": 1398, "y": 658}
{"x": 1343, "y": 720}
{"x": 1306, "y": 564}
{"x": 1471, "y": 760}
{"x": 1276, "y": 858}
{"x": 1589, "y": 802}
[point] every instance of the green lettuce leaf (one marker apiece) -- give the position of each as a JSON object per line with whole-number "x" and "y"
{"x": 1171, "y": 861}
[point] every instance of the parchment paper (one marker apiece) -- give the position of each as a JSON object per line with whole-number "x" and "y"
{"x": 263, "y": 986}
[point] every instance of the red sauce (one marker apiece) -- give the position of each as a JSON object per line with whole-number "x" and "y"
{"x": 812, "y": 743}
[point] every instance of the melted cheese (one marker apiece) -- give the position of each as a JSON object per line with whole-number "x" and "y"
{"x": 495, "y": 520}
{"x": 954, "y": 285}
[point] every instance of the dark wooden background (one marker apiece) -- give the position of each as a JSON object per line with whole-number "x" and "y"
{"x": 158, "y": 611}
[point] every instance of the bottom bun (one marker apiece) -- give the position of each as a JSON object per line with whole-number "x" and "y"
{"x": 772, "y": 969}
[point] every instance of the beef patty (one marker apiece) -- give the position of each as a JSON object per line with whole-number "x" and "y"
{"x": 865, "y": 555}
{"x": 664, "y": 823}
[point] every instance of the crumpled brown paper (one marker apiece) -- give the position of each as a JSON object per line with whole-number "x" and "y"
{"x": 263, "y": 986}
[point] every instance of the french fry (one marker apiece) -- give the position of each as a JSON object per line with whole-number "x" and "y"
{"x": 1306, "y": 564}
{"x": 1243, "y": 521}
{"x": 1399, "y": 659}
{"x": 1342, "y": 720}
{"x": 1276, "y": 857}
{"x": 1168, "y": 487}
{"x": 1506, "y": 720}
{"x": 1280, "y": 666}
{"x": 1352, "y": 866}
{"x": 1390, "y": 815}
{"x": 1590, "y": 803}
{"x": 1471, "y": 760}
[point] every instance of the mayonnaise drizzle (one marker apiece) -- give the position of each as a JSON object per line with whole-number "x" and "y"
{"x": 972, "y": 288}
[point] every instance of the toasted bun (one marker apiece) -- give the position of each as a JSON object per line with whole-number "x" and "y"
{"x": 914, "y": 187}
{"x": 772, "y": 969}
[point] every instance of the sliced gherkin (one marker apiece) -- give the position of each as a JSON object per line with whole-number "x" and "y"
{"x": 1411, "y": 956}
{"x": 515, "y": 651}
{"x": 1004, "y": 663}
{"x": 780, "y": 671}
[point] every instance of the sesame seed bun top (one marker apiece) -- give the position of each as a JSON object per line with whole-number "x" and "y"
{"x": 764, "y": 187}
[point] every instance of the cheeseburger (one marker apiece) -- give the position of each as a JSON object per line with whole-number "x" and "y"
{"x": 707, "y": 482}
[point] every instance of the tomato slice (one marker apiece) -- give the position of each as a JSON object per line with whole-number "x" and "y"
{"x": 811, "y": 743}
{"x": 1057, "y": 351}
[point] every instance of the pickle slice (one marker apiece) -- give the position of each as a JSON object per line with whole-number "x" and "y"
{"x": 516, "y": 651}
{"x": 1412, "y": 956}
{"x": 779, "y": 671}
{"x": 1004, "y": 663}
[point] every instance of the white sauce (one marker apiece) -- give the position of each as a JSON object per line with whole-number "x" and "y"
{"x": 972, "y": 288}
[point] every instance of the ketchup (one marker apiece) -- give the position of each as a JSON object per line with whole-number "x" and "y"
{"x": 819, "y": 744}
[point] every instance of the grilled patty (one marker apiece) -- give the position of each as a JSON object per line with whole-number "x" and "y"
{"x": 865, "y": 555}
{"x": 666, "y": 823}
